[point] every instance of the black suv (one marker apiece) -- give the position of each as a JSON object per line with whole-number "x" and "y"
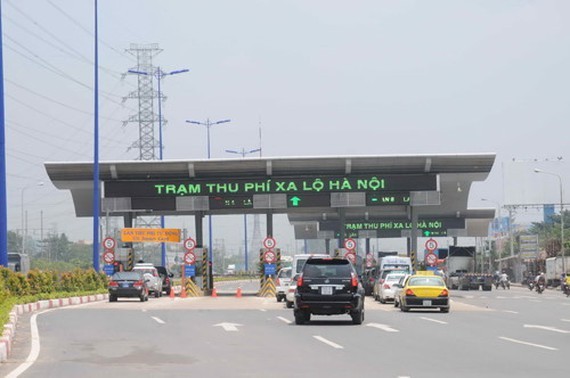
{"x": 166, "y": 278}
{"x": 328, "y": 287}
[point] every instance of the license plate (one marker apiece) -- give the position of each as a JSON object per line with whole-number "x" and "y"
{"x": 326, "y": 290}
{"x": 427, "y": 303}
{"x": 125, "y": 285}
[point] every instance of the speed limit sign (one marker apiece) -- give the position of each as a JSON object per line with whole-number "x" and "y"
{"x": 109, "y": 243}
{"x": 431, "y": 245}
{"x": 269, "y": 242}
{"x": 350, "y": 244}
{"x": 189, "y": 258}
{"x": 189, "y": 244}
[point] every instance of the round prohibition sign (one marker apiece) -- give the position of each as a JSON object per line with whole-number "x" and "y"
{"x": 189, "y": 258}
{"x": 109, "y": 243}
{"x": 269, "y": 257}
{"x": 109, "y": 257}
{"x": 269, "y": 242}
{"x": 350, "y": 257}
{"x": 431, "y": 258}
{"x": 350, "y": 244}
{"x": 189, "y": 244}
{"x": 431, "y": 245}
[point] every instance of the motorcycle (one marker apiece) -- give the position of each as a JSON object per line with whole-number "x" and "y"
{"x": 506, "y": 284}
{"x": 566, "y": 290}
{"x": 540, "y": 287}
{"x": 530, "y": 285}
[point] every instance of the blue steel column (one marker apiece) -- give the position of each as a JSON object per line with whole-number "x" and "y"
{"x": 3, "y": 202}
{"x": 96, "y": 154}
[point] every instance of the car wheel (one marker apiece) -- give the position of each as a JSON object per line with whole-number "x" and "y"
{"x": 395, "y": 303}
{"x": 404, "y": 308}
{"x": 168, "y": 290}
{"x": 156, "y": 294}
{"x": 142, "y": 298}
{"x": 357, "y": 317}
{"x": 446, "y": 310}
{"x": 112, "y": 298}
{"x": 382, "y": 300}
{"x": 299, "y": 317}
{"x": 289, "y": 304}
{"x": 279, "y": 298}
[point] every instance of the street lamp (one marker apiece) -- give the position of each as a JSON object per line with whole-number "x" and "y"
{"x": 159, "y": 74}
{"x": 24, "y": 229}
{"x": 536, "y": 170}
{"x": 208, "y": 125}
{"x": 243, "y": 153}
{"x": 499, "y": 226}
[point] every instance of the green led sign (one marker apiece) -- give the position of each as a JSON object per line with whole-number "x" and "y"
{"x": 231, "y": 202}
{"x": 286, "y": 185}
{"x": 308, "y": 200}
{"x": 387, "y": 199}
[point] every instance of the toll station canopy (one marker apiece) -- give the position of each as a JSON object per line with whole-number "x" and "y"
{"x": 364, "y": 196}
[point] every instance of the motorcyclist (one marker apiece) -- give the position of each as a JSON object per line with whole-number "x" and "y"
{"x": 504, "y": 280}
{"x": 540, "y": 280}
{"x": 566, "y": 284}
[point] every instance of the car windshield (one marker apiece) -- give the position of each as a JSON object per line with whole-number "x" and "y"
{"x": 394, "y": 278}
{"x": 126, "y": 276}
{"x": 327, "y": 268}
{"x": 285, "y": 273}
{"x": 426, "y": 281}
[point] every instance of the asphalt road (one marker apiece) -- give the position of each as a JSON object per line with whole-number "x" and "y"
{"x": 486, "y": 334}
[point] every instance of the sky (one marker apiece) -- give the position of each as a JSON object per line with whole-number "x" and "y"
{"x": 320, "y": 78}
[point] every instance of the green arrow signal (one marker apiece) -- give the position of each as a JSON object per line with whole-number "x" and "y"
{"x": 427, "y": 233}
{"x": 295, "y": 201}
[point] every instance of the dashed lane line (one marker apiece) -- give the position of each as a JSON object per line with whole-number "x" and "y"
{"x": 434, "y": 320}
{"x": 383, "y": 327}
{"x": 545, "y": 328}
{"x": 158, "y": 320}
{"x": 565, "y": 320}
{"x": 328, "y": 342}
{"x": 510, "y": 312}
{"x": 527, "y": 343}
{"x": 285, "y": 320}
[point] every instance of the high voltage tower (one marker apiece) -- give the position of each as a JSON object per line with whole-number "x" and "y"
{"x": 146, "y": 117}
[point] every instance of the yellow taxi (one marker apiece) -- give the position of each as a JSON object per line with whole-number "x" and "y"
{"x": 422, "y": 290}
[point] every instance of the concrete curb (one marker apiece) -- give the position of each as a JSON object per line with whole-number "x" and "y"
{"x": 10, "y": 327}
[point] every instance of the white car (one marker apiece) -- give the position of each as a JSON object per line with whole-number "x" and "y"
{"x": 384, "y": 291}
{"x": 152, "y": 278}
{"x": 282, "y": 283}
{"x": 290, "y": 294}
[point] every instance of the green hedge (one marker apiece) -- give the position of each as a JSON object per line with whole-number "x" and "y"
{"x": 17, "y": 288}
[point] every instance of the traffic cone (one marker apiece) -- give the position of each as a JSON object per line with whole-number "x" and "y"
{"x": 183, "y": 292}
{"x": 171, "y": 295}
{"x": 238, "y": 292}
{"x": 214, "y": 293}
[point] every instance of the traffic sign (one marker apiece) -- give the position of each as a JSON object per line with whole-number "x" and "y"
{"x": 189, "y": 258}
{"x": 189, "y": 244}
{"x": 269, "y": 242}
{"x": 109, "y": 269}
{"x": 431, "y": 258}
{"x": 350, "y": 244}
{"x": 109, "y": 257}
{"x": 351, "y": 256}
{"x": 109, "y": 243}
{"x": 270, "y": 269}
{"x": 269, "y": 257}
{"x": 431, "y": 245}
{"x": 189, "y": 270}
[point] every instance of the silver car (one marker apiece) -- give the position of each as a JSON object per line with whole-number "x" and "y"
{"x": 383, "y": 291}
{"x": 282, "y": 283}
{"x": 152, "y": 278}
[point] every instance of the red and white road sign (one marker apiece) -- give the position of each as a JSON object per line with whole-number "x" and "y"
{"x": 369, "y": 260}
{"x": 189, "y": 244}
{"x": 109, "y": 257}
{"x": 269, "y": 257}
{"x": 269, "y": 242}
{"x": 109, "y": 243}
{"x": 189, "y": 258}
{"x": 431, "y": 245}
{"x": 431, "y": 259}
{"x": 350, "y": 244}
{"x": 351, "y": 256}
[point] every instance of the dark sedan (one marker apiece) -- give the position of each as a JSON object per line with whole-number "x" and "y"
{"x": 128, "y": 284}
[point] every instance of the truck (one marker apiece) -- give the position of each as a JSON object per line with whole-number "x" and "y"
{"x": 460, "y": 266}
{"x": 554, "y": 270}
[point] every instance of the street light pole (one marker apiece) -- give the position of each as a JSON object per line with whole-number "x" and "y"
{"x": 499, "y": 226}
{"x": 243, "y": 153}
{"x": 3, "y": 201}
{"x": 536, "y": 170}
{"x": 208, "y": 124}
{"x": 24, "y": 228}
{"x": 159, "y": 74}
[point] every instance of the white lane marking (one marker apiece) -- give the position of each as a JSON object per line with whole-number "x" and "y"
{"x": 158, "y": 320}
{"x": 263, "y": 310}
{"x": 328, "y": 342}
{"x": 565, "y": 320}
{"x": 434, "y": 320}
{"x": 525, "y": 343}
{"x": 383, "y": 327}
{"x": 284, "y": 320}
{"x": 34, "y": 352}
{"x": 230, "y": 327}
{"x": 510, "y": 312}
{"x": 545, "y": 328}
{"x": 535, "y": 301}
{"x": 144, "y": 310}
